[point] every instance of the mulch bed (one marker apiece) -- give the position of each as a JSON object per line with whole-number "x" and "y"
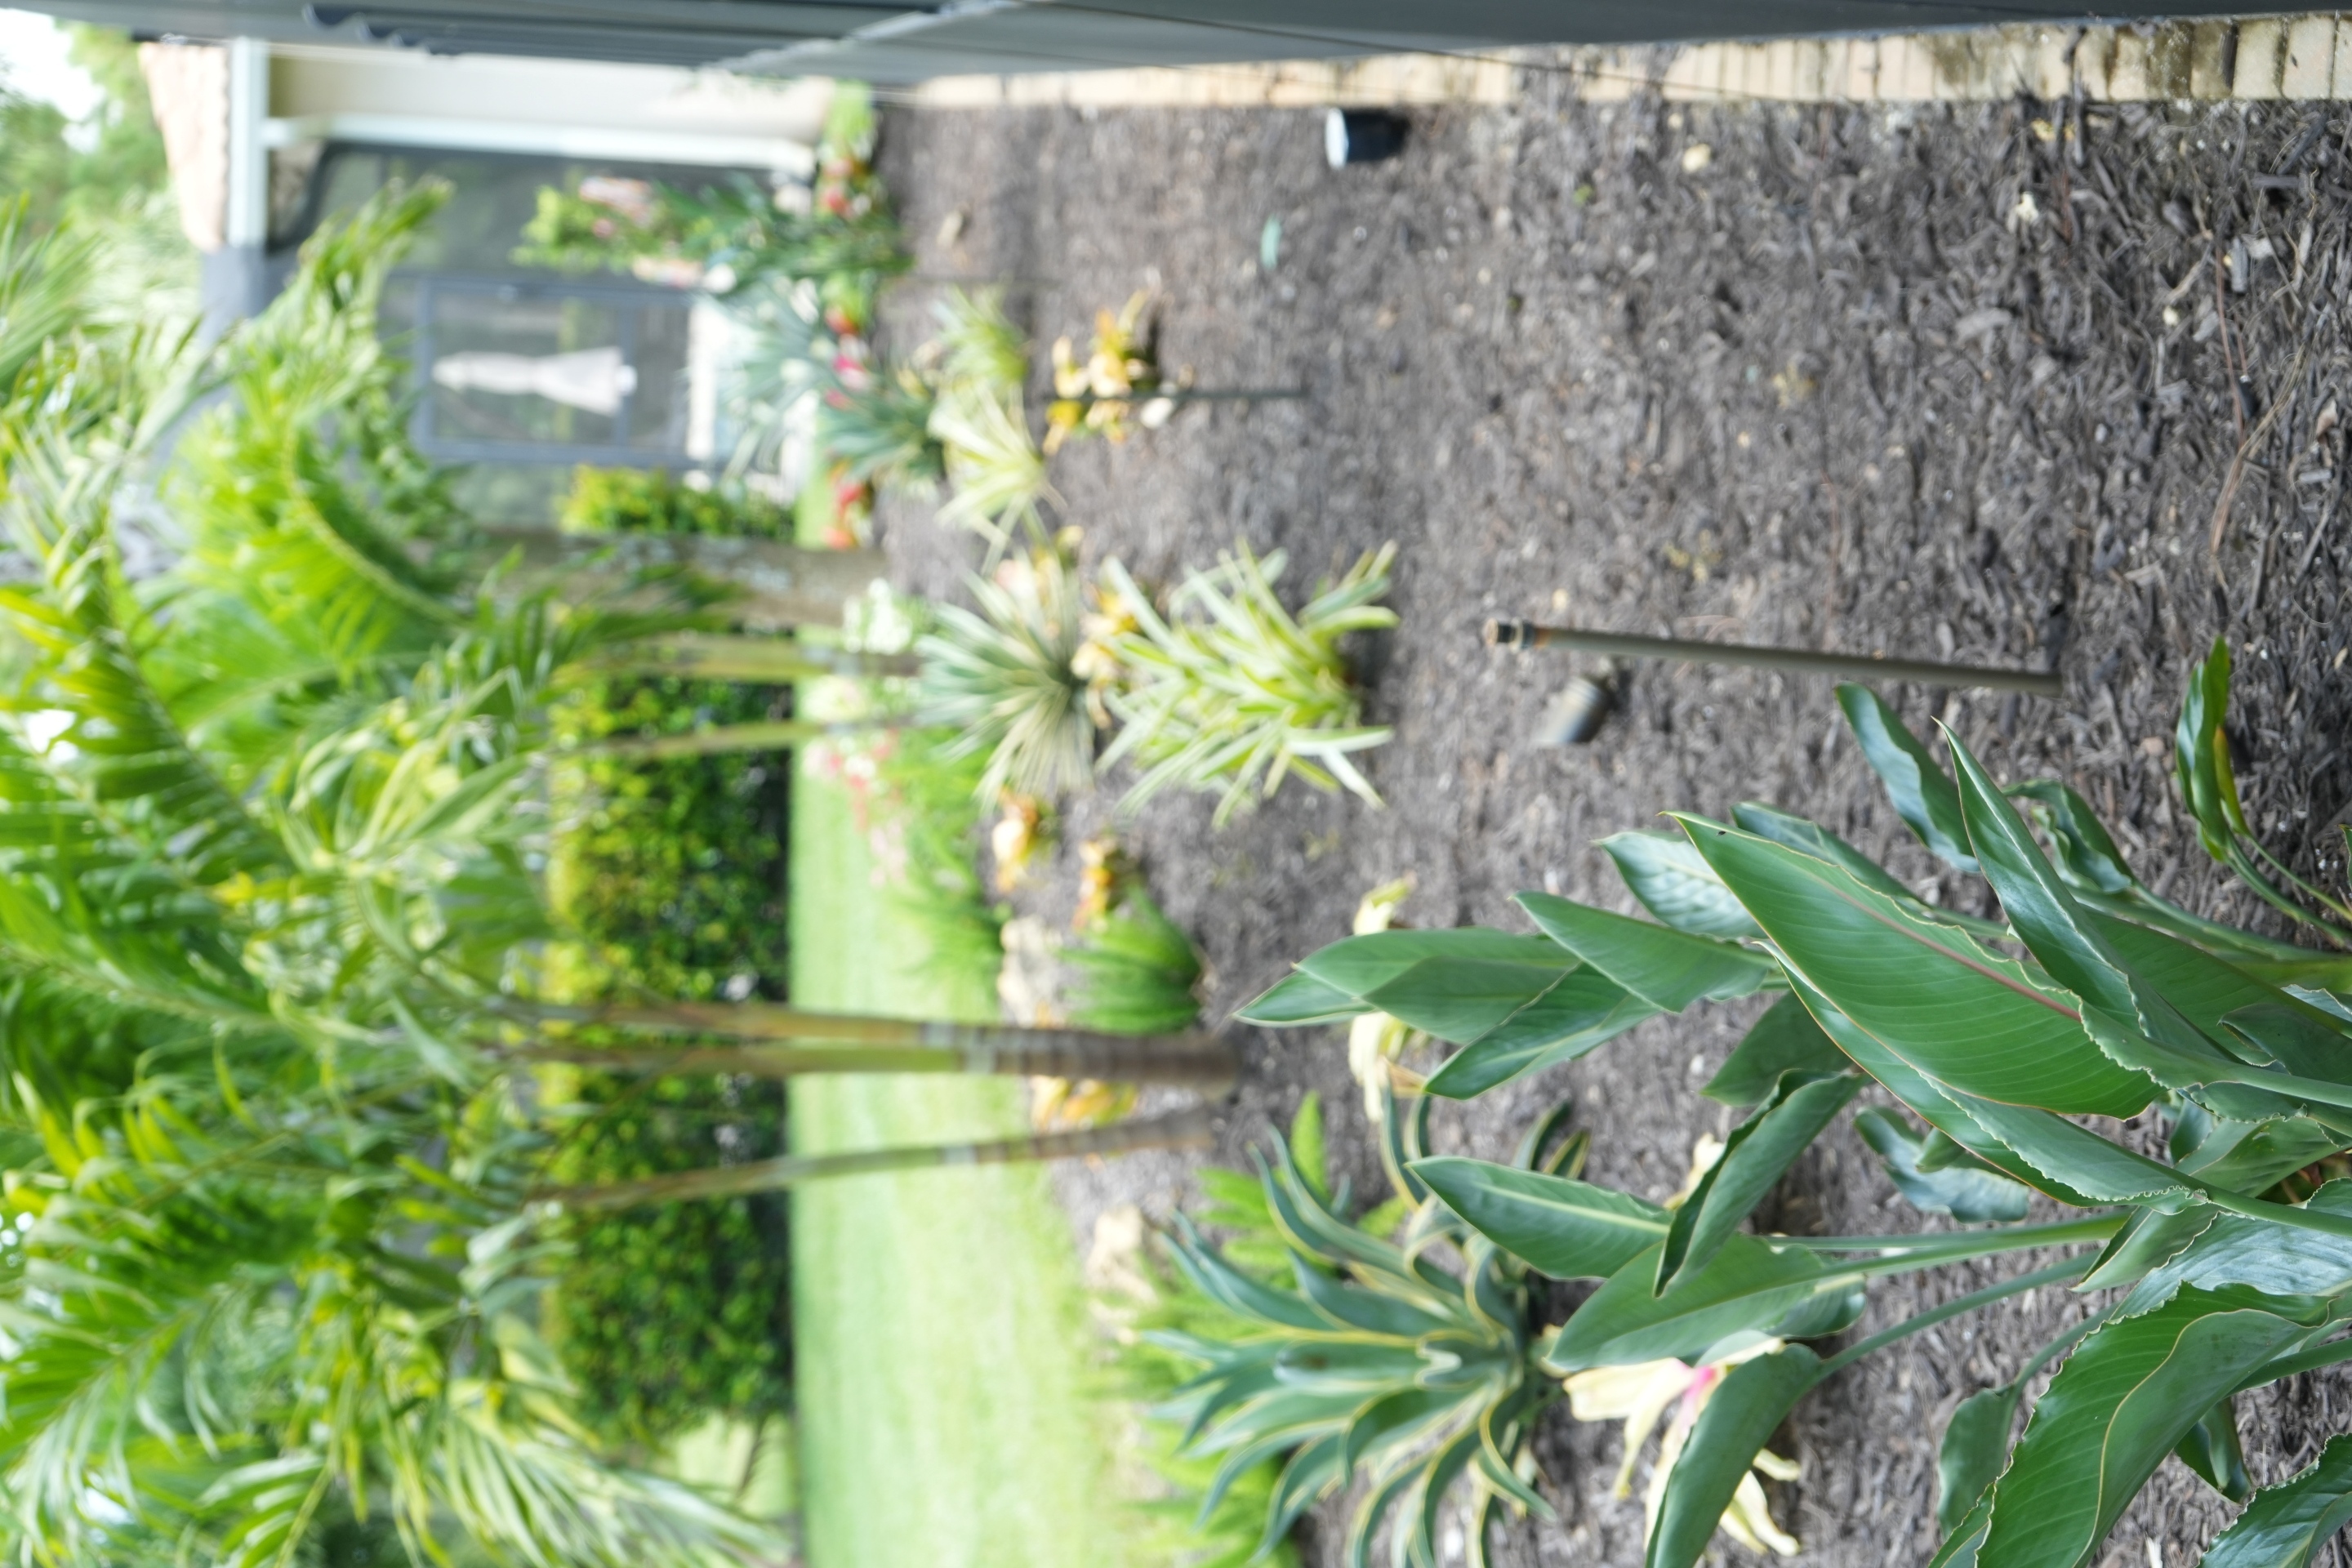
{"x": 1973, "y": 382}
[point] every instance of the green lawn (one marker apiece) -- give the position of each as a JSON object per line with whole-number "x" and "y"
{"x": 940, "y": 1332}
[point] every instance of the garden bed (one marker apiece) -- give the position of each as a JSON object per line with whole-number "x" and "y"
{"x": 1894, "y": 382}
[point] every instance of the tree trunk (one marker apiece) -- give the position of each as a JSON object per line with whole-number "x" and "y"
{"x": 1191, "y": 1057}
{"x": 770, "y": 584}
{"x": 751, "y": 660}
{"x": 1194, "y": 1128}
{"x": 764, "y": 735}
{"x": 1199, "y": 1060}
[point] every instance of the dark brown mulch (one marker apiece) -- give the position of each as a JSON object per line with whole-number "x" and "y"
{"x": 1839, "y": 387}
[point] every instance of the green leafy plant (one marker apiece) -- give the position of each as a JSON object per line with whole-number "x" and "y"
{"x": 877, "y": 428}
{"x": 1160, "y": 1299}
{"x": 1229, "y": 692}
{"x": 1136, "y": 971}
{"x": 1002, "y": 679}
{"x": 1373, "y": 1360}
{"x": 664, "y": 1316}
{"x": 2209, "y": 784}
{"x": 651, "y": 227}
{"x": 2223, "y": 1267}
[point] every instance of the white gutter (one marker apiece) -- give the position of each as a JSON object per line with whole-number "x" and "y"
{"x": 246, "y": 221}
{"x": 629, "y": 144}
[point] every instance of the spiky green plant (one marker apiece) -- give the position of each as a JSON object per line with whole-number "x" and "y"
{"x": 991, "y": 462}
{"x": 1136, "y": 971}
{"x": 1002, "y": 680}
{"x": 979, "y": 344}
{"x": 1228, "y": 692}
{"x": 1376, "y": 1362}
{"x": 880, "y": 430}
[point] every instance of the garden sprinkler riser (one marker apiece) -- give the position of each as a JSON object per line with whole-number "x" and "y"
{"x": 1527, "y": 634}
{"x": 1362, "y": 136}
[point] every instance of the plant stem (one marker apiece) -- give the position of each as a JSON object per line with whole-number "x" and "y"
{"x": 751, "y": 660}
{"x": 2328, "y": 1355}
{"x": 1966, "y": 1243}
{"x": 770, "y": 584}
{"x": 711, "y": 740}
{"x": 1197, "y": 1059}
{"x": 1953, "y": 1309}
{"x": 2287, "y": 1215}
{"x": 1189, "y": 1129}
{"x": 974, "y": 1043}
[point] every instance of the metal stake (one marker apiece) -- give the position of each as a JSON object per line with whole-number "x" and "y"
{"x": 1527, "y": 634}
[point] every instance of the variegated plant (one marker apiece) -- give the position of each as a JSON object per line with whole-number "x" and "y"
{"x": 1398, "y": 1354}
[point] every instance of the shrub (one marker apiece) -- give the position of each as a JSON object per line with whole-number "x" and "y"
{"x": 670, "y": 873}
{"x": 650, "y": 500}
{"x": 669, "y": 1315}
{"x": 2224, "y": 1265}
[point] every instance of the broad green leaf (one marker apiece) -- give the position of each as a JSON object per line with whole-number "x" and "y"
{"x": 2284, "y": 1526}
{"x": 1974, "y": 1451}
{"x": 2251, "y": 1159}
{"x": 2212, "y": 1449}
{"x": 2207, "y": 989}
{"x": 1463, "y": 999}
{"x": 2276, "y": 1259}
{"x": 1968, "y": 1192}
{"x": 2120, "y": 1404}
{"x": 2087, "y": 855}
{"x": 2297, "y": 1038}
{"x": 2201, "y": 754}
{"x": 1673, "y": 884}
{"x": 1362, "y": 964}
{"x": 1785, "y": 1039}
{"x": 1666, "y": 968}
{"x": 2078, "y": 1159}
{"x": 1939, "y": 1106}
{"x": 2150, "y": 1236}
{"x": 1582, "y": 1012}
{"x": 1930, "y": 994}
{"x": 1753, "y": 1398}
{"x": 1749, "y": 1285}
{"x": 1921, "y": 793}
{"x": 1300, "y": 998}
{"x": 1960, "y": 1547}
{"x": 2125, "y": 1014}
{"x": 1758, "y": 1152}
{"x": 1567, "y": 1229}
{"x": 1808, "y": 838}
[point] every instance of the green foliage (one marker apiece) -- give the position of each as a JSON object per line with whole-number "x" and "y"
{"x": 877, "y": 428}
{"x": 650, "y": 500}
{"x": 2091, "y": 995}
{"x": 1002, "y": 679}
{"x": 264, "y": 882}
{"x": 106, "y": 181}
{"x": 1372, "y": 1360}
{"x": 624, "y": 224}
{"x": 1137, "y": 972}
{"x": 1151, "y": 1373}
{"x": 665, "y": 1316}
{"x": 1230, "y": 693}
{"x": 927, "y": 786}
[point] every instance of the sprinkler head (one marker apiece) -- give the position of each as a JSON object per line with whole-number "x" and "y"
{"x": 1575, "y": 715}
{"x": 1362, "y": 136}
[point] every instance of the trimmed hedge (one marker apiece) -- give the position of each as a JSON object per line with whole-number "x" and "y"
{"x": 672, "y": 874}
{"x": 667, "y": 1315}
